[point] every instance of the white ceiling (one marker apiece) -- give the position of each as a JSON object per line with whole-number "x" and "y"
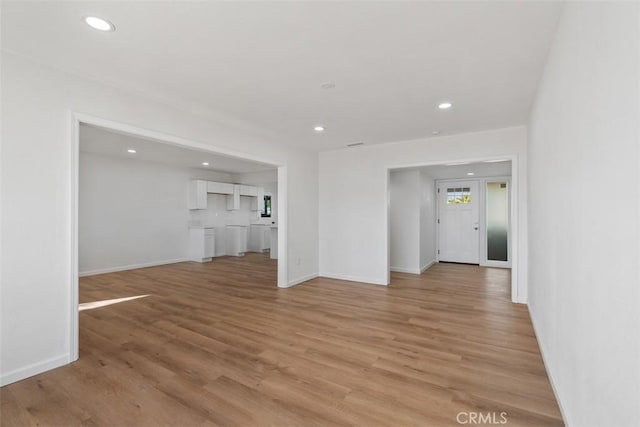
{"x": 98, "y": 140}
{"x": 263, "y": 62}
{"x": 455, "y": 171}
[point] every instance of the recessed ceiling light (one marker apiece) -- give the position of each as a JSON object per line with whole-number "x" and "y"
{"x": 205, "y": 163}
{"x": 131, "y": 150}
{"x": 435, "y": 132}
{"x": 445, "y": 105}
{"x": 99, "y": 23}
{"x": 470, "y": 173}
{"x": 318, "y": 128}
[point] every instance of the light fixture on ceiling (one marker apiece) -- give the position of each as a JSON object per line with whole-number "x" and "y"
{"x": 132, "y": 151}
{"x": 205, "y": 163}
{"x": 470, "y": 173}
{"x": 99, "y": 24}
{"x": 318, "y": 128}
{"x": 445, "y": 105}
{"x": 435, "y": 132}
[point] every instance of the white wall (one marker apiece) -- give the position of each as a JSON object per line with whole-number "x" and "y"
{"x": 133, "y": 213}
{"x": 37, "y": 103}
{"x": 412, "y": 221}
{"x": 428, "y": 218}
{"x": 353, "y": 198}
{"x": 584, "y": 292}
{"x": 404, "y": 221}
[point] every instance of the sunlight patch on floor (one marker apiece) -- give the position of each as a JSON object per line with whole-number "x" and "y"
{"x": 97, "y": 304}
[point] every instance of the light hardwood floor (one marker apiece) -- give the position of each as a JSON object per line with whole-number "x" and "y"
{"x": 219, "y": 344}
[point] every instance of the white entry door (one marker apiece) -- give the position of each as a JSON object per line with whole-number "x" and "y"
{"x": 458, "y": 221}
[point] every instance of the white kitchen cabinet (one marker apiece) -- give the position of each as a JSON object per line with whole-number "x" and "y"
{"x": 274, "y": 242}
{"x": 198, "y": 194}
{"x": 236, "y": 236}
{"x": 248, "y": 190}
{"x": 259, "y": 236}
{"x": 233, "y": 200}
{"x": 258, "y": 202}
{"x": 219, "y": 187}
{"x": 202, "y": 244}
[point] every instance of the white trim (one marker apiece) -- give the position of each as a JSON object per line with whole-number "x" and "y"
{"x": 387, "y": 191}
{"x": 363, "y": 280}
{"x": 302, "y": 279}
{"x": 514, "y": 237}
{"x": 427, "y": 266}
{"x": 563, "y": 412}
{"x": 519, "y": 300}
{"x": 495, "y": 264}
{"x": 74, "y": 178}
{"x": 131, "y": 267}
{"x": 34, "y": 369}
{"x": 413, "y": 270}
{"x": 282, "y": 227}
{"x": 515, "y": 297}
{"x": 404, "y": 270}
{"x": 167, "y": 138}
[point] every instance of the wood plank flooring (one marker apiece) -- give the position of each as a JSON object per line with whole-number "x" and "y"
{"x": 218, "y": 344}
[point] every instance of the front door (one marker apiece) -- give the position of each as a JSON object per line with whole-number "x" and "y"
{"x": 458, "y": 221}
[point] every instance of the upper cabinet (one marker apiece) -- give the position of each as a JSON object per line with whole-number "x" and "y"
{"x": 257, "y": 204}
{"x": 198, "y": 194}
{"x": 248, "y": 190}
{"x": 233, "y": 199}
{"x": 219, "y": 187}
{"x": 198, "y": 190}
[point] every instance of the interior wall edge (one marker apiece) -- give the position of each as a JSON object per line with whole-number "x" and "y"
{"x": 363, "y": 280}
{"x": 405, "y": 270}
{"x": 547, "y": 367}
{"x": 300, "y": 280}
{"x": 427, "y": 266}
{"x": 34, "y": 369}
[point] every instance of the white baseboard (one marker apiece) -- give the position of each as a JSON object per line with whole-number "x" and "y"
{"x": 365, "y": 280}
{"x": 404, "y": 270}
{"x": 427, "y": 266}
{"x": 33, "y": 369}
{"x": 546, "y": 367}
{"x": 519, "y": 300}
{"x": 301, "y": 279}
{"x": 413, "y": 270}
{"x": 131, "y": 267}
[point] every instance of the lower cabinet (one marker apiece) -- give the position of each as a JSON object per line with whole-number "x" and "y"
{"x": 259, "y": 236}
{"x": 236, "y": 240}
{"x": 274, "y": 242}
{"x": 202, "y": 244}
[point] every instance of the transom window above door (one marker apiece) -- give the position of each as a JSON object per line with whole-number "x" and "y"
{"x": 458, "y": 195}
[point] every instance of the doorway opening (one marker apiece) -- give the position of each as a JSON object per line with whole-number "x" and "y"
{"x": 134, "y": 206}
{"x": 455, "y": 212}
